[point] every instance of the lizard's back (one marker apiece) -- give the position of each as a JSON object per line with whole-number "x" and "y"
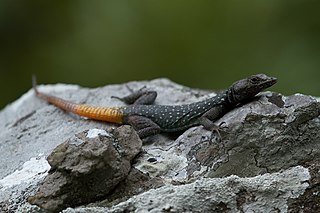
{"x": 173, "y": 118}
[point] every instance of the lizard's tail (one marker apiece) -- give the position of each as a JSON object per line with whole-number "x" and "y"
{"x": 110, "y": 114}
{"x": 34, "y": 84}
{"x": 59, "y": 102}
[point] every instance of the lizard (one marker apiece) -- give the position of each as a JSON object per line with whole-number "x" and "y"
{"x": 148, "y": 119}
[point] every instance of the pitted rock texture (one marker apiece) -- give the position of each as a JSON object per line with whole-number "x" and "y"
{"x": 271, "y": 141}
{"x": 230, "y": 194}
{"x": 86, "y": 168}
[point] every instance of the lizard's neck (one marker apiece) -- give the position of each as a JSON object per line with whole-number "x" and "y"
{"x": 224, "y": 98}
{"x": 231, "y": 99}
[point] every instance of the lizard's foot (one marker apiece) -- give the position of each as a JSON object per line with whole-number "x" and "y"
{"x": 215, "y": 134}
{"x": 211, "y": 126}
{"x": 215, "y": 130}
{"x": 140, "y": 97}
{"x": 123, "y": 99}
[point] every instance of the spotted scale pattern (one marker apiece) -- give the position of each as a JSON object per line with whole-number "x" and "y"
{"x": 173, "y": 118}
{"x": 152, "y": 119}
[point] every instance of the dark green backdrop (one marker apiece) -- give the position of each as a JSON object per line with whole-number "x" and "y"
{"x": 204, "y": 44}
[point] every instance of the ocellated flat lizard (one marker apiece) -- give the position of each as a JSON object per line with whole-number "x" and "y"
{"x": 149, "y": 119}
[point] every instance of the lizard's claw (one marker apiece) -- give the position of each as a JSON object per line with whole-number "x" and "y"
{"x": 217, "y": 129}
{"x": 133, "y": 97}
{"x": 116, "y": 97}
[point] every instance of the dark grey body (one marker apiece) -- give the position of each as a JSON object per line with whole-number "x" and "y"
{"x": 172, "y": 118}
{"x": 150, "y": 119}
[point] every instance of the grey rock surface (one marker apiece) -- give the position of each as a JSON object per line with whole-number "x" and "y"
{"x": 263, "y": 144}
{"x": 87, "y": 167}
{"x": 230, "y": 194}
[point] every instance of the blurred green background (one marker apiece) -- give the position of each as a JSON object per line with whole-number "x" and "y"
{"x": 203, "y": 44}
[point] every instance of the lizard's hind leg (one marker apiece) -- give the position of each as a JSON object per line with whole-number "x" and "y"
{"x": 140, "y": 97}
{"x": 144, "y": 126}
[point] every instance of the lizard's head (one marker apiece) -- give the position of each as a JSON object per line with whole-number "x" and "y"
{"x": 249, "y": 87}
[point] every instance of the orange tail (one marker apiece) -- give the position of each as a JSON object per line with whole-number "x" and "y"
{"x": 110, "y": 114}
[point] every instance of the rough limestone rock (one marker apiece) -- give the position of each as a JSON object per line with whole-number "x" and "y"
{"x": 267, "y": 159}
{"x": 223, "y": 194}
{"x": 87, "y": 167}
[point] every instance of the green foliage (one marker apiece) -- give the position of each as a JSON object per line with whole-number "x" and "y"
{"x": 204, "y": 44}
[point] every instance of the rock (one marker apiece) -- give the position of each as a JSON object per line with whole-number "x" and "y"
{"x": 87, "y": 167}
{"x": 268, "y": 155}
{"x": 258, "y": 137}
{"x": 135, "y": 183}
{"x": 230, "y": 194}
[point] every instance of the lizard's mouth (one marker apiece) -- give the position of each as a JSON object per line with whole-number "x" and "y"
{"x": 268, "y": 83}
{"x": 260, "y": 82}
{"x": 273, "y": 80}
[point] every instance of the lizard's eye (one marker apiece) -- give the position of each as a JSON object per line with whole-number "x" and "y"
{"x": 254, "y": 80}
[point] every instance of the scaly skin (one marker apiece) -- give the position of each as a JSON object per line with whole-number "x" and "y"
{"x": 110, "y": 114}
{"x": 153, "y": 119}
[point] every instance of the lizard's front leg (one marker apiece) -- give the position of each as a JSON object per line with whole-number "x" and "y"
{"x": 144, "y": 126}
{"x": 207, "y": 119}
